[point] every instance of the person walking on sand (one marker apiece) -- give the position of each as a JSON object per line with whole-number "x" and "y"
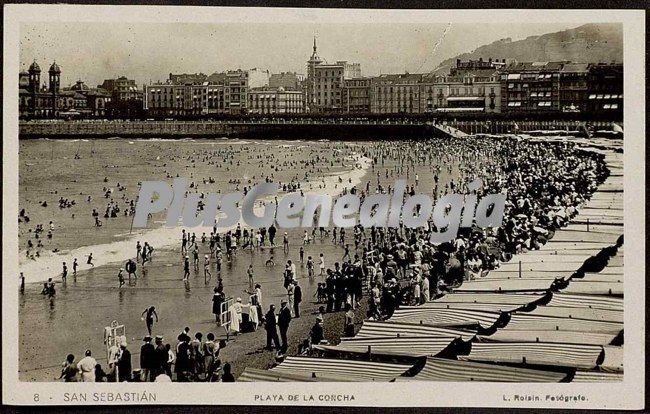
{"x": 186, "y": 268}
{"x": 206, "y": 266}
{"x": 64, "y": 274}
{"x": 297, "y": 298}
{"x": 90, "y": 262}
{"x": 120, "y": 277}
{"x": 74, "y": 267}
{"x": 147, "y": 316}
{"x": 184, "y": 243}
{"x": 251, "y": 282}
{"x": 131, "y": 267}
{"x": 285, "y": 242}
{"x": 138, "y": 249}
{"x": 284, "y": 319}
{"x": 270, "y": 324}
{"x": 321, "y": 264}
{"x": 291, "y": 289}
{"x": 217, "y": 300}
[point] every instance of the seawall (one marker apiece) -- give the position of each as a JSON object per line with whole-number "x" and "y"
{"x": 271, "y": 130}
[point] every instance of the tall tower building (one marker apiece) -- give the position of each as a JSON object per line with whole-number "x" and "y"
{"x": 34, "y": 85}
{"x": 34, "y": 77}
{"x": 313, "y": 61}
{"x": 55, "y": 78}
{"x": 55, "y": 84}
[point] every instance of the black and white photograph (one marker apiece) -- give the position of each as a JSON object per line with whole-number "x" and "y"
{"x": 399, "y": 200}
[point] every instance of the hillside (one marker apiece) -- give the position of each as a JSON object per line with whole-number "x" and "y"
{"x": 587, "y": 43}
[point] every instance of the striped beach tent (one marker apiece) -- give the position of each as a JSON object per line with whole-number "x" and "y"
{"x": 446, "y": 317}
{"x": 590, "y": 287}
{"x": 571, "y": 312}
{"x": 438, "y": 369}
{"x": 394, "y": 329}
{"x": 489, "y": 307}
{"x": 597, "y": 376}
{"x": 563, "y": 337}
{"x": 524, "y": 321}
{"x": 521, "y": 299}
{"x": 341, "y": 369}
{"x": 537, "y": 353}
{"x": 586, "y": 301}
{"x": 262, "y": 375}
{"x": 506, "y": 285}
{"x": 413, "y": 346}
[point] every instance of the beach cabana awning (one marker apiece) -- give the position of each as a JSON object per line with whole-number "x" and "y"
{"x": 592, "y": 314}
{"x": 341, "y": 369}
{"x": 394, "y": 329}
{"x": 438, "y": 369}
{"x": 586, "y": 301}
{"x": 527, "y": 322}
{"x": 261, "y": 375}
{"x": 537, "y": 353}
{"x": 445, "y": 317}
{"x": 489, "y": 307}
{"x": 414, "y": 346}
{"x": 595, "y": 287}
{"x": 520, "y": 299}
{"x": 561, "y": 337}
{"x": 597, "y": 376}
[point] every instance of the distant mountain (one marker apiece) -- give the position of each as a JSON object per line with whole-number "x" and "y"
{"x": 594, "y": 42}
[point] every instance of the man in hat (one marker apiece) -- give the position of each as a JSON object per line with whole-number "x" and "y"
{"x": 147, "y": 360}
{"x": 271, "y": 328}
{"x": 161, "y": 356}
{"x": 297, "y": 298}
{"x": 284, "y": 319}
{"x": 317, "y": 335}
{"x": 124, "y": 368}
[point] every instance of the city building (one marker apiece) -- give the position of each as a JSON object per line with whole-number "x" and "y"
{"x": 324, "y": 84}
{"x": 472, "y": 86}
{"x": 275, "y": 101}
{"x": 290, "y": 81}
{"x": 531, "y": 87}
{"x": 37, "y": 100}
{"x": 187, "y": 78}
{"x": 356, "y": 95}
{"x": 258, "y": 78}
{"x": 573, "y": 87}
{"x": 480, "y": 63}
{"x": 79, "y": 100}
{"x": 396, "y": 94}
{"x": 236, "y": 92}
{"x": 126, "y": 97}
{"x": 176, "y": 100}
{"x": 605, "y": 89}
{"x": 122, "y": 89}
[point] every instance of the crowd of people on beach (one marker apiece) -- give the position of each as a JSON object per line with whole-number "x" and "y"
{"x": 190, "y": 360}
{"x": 380, "y": 269}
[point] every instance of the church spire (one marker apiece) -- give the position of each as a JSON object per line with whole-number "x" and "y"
{"x": 314, "y": 44}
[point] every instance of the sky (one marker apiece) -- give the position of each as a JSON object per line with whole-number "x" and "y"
{"x": 148, "y": 52}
